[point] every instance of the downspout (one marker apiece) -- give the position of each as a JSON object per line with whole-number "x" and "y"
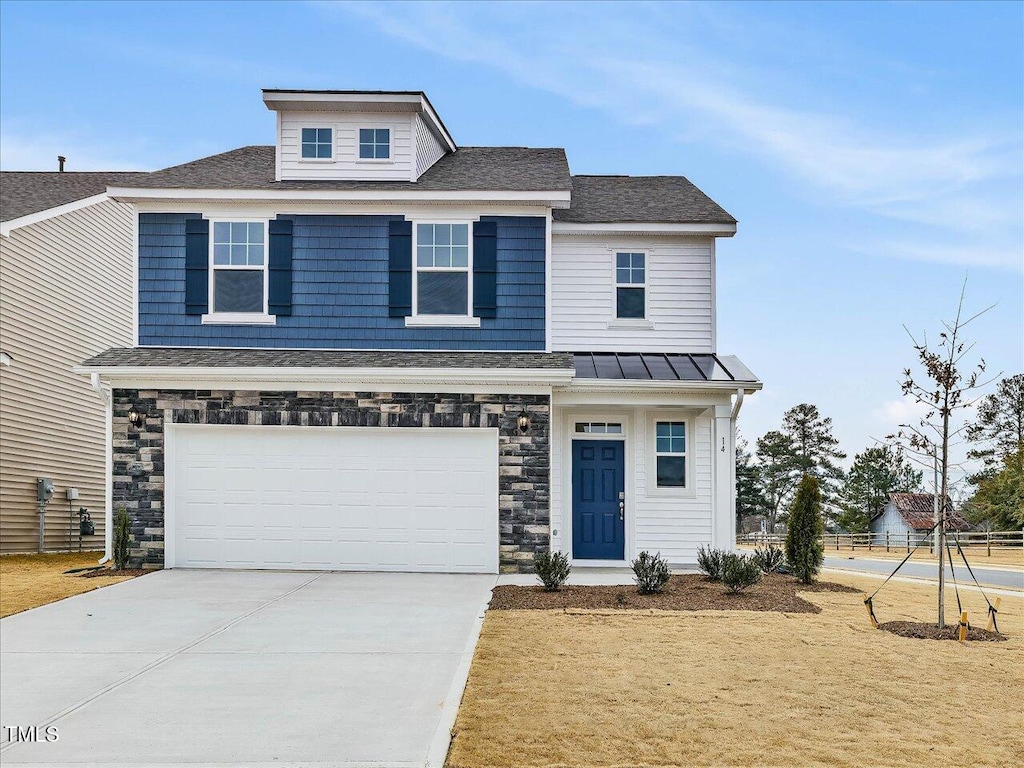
{"x": 736, "y": 406}
{"x": 108, "y": 441}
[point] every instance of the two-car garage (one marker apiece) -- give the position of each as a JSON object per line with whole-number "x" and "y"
{"x": 332, "y": 498}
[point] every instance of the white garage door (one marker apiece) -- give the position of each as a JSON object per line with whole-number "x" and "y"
{"x": 333, "y": 499}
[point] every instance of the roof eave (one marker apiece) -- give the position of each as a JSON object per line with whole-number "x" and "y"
{"x": 692, "y": 229}
{"x": 661, "y": 385}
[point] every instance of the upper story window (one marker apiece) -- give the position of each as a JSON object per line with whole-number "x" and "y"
{"x": 670, "y": 450}
{"x": 239, "y": 264}
{"x": 442, "y": 269}
{"x": 630, "y": 285}
{"x": 374, "y": 143}
{"x": 317, "y": 143}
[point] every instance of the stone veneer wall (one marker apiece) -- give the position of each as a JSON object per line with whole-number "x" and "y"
{"x": 523, "y": 460}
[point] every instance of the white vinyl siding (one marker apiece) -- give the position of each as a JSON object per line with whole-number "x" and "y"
{"x": 65, "y": 295}
{"x": 346, "y": 163}
{"x": 428, "y": 149}
{"x": 680, "y": 308}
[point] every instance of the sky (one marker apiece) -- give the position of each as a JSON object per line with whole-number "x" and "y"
{"x": 873, "y": 153}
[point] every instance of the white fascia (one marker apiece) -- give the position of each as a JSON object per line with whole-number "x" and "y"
{"x": 34, "y": 218}
{"x": 644, "y": 228}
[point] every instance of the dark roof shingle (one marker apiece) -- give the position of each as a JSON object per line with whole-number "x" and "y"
{"x": 26, "y": 192}
{"x": 640, "y": 199}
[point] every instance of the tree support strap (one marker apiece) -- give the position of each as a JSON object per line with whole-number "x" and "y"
{"x": 904, "y": 561}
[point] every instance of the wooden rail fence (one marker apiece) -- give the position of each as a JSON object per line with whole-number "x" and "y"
{"x": 893, "y": 542}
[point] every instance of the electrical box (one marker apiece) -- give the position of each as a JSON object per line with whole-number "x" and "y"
{"x": 72, "y": 494}
{"x": 44, "y": 489}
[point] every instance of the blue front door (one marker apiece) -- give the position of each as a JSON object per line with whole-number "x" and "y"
{"x": 598, "y": 477}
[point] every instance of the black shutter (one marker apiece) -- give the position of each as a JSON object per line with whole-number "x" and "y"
{"x": 279, "y": 267}
{"x": 485, "y": 269}
{"x": 400, "y": 269}
{"x": 197, "y": 266}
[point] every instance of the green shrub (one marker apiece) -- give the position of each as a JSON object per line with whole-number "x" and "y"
{"x": 122, "y": 539}
{"x": 769, "y": 559}
{"x": 651, "y": 573}
{"x": 804, "y": 550}
{"x": 710, "y": 562}
{"x": 552, "y": 569}
{"x": 739, "y": 572}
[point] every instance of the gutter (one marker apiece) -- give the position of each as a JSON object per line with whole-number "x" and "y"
{"x": 108, "y": 482}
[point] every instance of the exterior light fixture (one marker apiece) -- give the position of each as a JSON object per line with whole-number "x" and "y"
{"x": 523, "y": 421}
{"x": 136, "y": 418}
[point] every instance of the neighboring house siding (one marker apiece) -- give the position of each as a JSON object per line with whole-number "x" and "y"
{"x": 340, "y": 291}
{"x": 346, "y": 164}
{"x": 679, "y": 284}
{"x": 428, "y": 149}
{"x": 65, "y": 295}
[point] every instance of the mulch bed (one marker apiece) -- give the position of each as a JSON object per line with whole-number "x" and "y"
{"x": 92, "y": 573}
{"x": 684, "y": 592}
{"x": 926, "y": 631}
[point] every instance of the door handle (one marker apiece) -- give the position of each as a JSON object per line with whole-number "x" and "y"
{"x": 622, "y": 510}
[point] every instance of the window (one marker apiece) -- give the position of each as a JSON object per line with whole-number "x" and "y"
{"x": 597, "y": 428}
{"x": 442, "y": 269}
{"x": 630, "y": 282}
{"x": 317, "y": 143}
{"x": 239, "y": 266}
{"x": 670, "y": 450}
{"x": 374, "y": 143}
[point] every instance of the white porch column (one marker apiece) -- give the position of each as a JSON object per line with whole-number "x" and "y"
{"x": 723, "y": 463}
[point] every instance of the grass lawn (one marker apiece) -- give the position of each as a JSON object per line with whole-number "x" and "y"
{"x": 27, "y": 581}
{"x": 743, "y": 688}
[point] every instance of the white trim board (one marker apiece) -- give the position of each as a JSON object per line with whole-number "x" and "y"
{"x": 644, "y": 228}
{"x": 34, "y": 218}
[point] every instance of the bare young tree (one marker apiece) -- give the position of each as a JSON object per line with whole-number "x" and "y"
{"x": 949, "y": 385}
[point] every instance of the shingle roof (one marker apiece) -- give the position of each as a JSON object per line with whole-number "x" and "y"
{"x": 614, "y": 199}
{"x": 205, "y": 357}
{"x": 26, "y": 192}
{"x": 918, "y": 511}
{"x": 646, "y": 366}
{"x": 505, "y": 169}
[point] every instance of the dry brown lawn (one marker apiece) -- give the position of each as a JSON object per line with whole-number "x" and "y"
{"x": 657, "y": 688}
{"x": 976, "y": 556}
{"x": 28, "y": 581}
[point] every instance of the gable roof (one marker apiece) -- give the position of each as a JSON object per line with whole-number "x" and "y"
{"x": 918, "y": 511}
{"x": 501, "y": 169}
{"x": 23, "y": 193}
{"x": 624, "y": 199}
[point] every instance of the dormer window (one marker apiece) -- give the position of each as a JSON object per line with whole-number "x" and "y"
{"x": 317, "y": 143}
{"x": 374, "y": 143}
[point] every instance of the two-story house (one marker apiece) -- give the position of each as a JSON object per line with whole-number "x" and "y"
{"x": 369, "y": 348}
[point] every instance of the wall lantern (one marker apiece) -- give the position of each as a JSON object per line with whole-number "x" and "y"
{"x": 523, "y": 421}
{"x": 136, "y": 418}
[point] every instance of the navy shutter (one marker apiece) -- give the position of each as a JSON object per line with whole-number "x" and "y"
{"x": 400, "y": 269}
{"x": 279, "y": 267}
{"x": 197, "y": 266}
{"x": 485, "y": 269}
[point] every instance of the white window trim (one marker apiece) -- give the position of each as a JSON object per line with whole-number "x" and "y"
{"x": 630, "y": 322}
{"x": 653, "y": 489}
{"x": 238, "y": 318}
{"x": 334, "y": 146}
{"x": 451, "y": 321}
{"x": 390, "y": 159}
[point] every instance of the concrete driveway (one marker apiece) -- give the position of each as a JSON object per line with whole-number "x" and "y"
{"x": 243, "y": 668}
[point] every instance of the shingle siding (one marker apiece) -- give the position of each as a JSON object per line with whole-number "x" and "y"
{"x": 339, "y": 293}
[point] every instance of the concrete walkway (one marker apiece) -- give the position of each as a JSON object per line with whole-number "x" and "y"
{"x": 252, "y": 668}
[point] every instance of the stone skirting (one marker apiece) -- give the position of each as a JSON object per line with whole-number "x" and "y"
{"x": 523, "y": 459}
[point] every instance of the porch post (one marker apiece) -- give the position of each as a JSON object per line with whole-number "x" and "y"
{"x": 723, "y": 461}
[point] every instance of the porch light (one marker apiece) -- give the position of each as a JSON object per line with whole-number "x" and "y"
{"x": 136, "y": 418}
{"x": 523, "y": 421}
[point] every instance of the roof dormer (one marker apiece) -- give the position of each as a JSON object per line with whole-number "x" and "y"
{"x": 356, "y": 135}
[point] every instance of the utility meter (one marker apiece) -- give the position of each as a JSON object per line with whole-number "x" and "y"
{"x": 44, "y": 489}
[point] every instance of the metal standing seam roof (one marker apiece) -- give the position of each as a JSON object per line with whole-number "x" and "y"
{"x": 651, "y": 366}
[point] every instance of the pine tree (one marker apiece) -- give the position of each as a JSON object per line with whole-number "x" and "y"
{"x": 750, "y": 500}
{"x": 814, "y": 447}
{"x": 876, "y": 472}
{"x": 998, "y": 429}
{"x": 777, "y": 473}
{"x": 999, "y": 500}
{"x": 804, "y": 550}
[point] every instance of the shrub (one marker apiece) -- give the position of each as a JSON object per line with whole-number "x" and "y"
{"x": 739, "y": 572}
{"x": 552, "y": 569}
{"x": 122, "y": 539}
{"x": 710, "y": 562}
{"x": 651, "y": 573}
{"x": 804, "y": 550}
{"x": 769, "y": 559}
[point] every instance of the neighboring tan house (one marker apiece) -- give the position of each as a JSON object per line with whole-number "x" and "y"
{"x": 906, "y": 514}
{"x": 367, "y": 348}
{"x": 65, "y": 293}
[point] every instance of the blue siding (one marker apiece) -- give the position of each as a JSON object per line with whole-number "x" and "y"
{"x": 339, "y": 291}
